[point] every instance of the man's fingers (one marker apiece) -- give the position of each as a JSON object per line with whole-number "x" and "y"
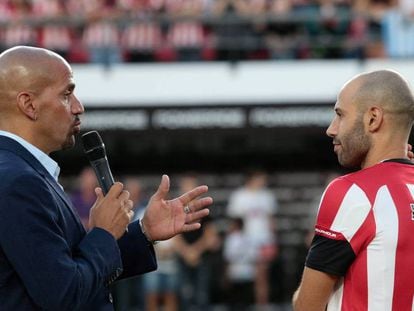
{"x": 196, "y": 216}
{"x": 130, "y": 204}
{"x": 163, "y": 188}
{"x": 191, "y": 227}
{"x": 124, "y": 195}
{"x": 200, "y": 203}
{"x": 115, "y": 190}
{"x": 192, "y": 194}
{"x": 127, "y": 205}
{"x": 130, "y": 215}
{"x": 99, "y": 193}
{"x": 124, "y": 217}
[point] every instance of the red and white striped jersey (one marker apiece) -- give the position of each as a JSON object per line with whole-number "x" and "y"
{"x": 17, "y": 32}
{"x": 52, "y": 36}
{"x": 365, "y": 233}
{"x": 55, "y": 38}
{"x": 101, "y": 34}
{"x": 186, "y": 35}
{"x": 144, "y": 36}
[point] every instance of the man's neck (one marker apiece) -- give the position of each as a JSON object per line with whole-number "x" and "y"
{"x": 392, "y": 152}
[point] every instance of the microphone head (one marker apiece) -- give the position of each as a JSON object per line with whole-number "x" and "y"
{"x": 93, "y": 146}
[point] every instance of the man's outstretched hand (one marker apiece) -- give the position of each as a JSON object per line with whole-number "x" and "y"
{"x": 164, "y": 218}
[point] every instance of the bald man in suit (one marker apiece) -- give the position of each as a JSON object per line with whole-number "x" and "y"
{"x": 48, "y": 261}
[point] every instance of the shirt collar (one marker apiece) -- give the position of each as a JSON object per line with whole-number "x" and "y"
{"x": 49, "y": 164}
{"x": 399, "y": 160}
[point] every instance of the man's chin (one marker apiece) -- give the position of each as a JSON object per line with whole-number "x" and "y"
{"x": 351, "y": 165}
{"x": 69, "y": 143}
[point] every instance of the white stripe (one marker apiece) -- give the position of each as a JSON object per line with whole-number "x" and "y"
{"x": 412, "y": 306}
{"x": 381, "y": 253}
{"x": 353, "y": 211}
{"x": 411, "y": 188}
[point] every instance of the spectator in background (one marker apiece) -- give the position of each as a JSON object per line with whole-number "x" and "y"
{"x": 78, "y": 52}
{"x": 240, "y": 29}
{"x": 398, "y": 30}
{"x": 256, "y": 29}
{"x": 373, "y": 12}
{"x": 328, "y": 27}
{"x": 193, "y": 250}
{"x": 229, "y": 30}
{"x": 358, "y": 37}
{"x": 186, "y": 33}
{"x": 129, "y": 294}
{"x": 84, "y": 196}
{"x": 101, "y": 35}
{"x": 283, "y": 38}
{"x": 161, "y": 286}
{"x": 239, "y": 257}
{"x": 156, "y": 290}
{"x": 257, "y": 206}
{"x": 18, "y": 30}
{"x": 53, "y": 35}
{"x": 143, "y": 36}
{"x": 135, "y": 188}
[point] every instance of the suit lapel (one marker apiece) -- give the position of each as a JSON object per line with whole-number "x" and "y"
{"x": 56, "y": 187}
{"x": 15, "y": 147}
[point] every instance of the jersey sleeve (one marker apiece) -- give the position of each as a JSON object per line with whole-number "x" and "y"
{"x": 330, "y": 256}
{"x": 344, "y": 225}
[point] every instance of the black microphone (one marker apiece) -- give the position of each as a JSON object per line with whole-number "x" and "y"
{"x": 94, "y": 149}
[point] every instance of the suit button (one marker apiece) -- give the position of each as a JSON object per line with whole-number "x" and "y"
{"x": 111, "y": 299}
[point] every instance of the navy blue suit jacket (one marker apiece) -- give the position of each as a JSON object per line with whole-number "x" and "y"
{"x": 47, "y": 259}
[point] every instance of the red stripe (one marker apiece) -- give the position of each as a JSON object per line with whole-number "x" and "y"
{"x": 355, "y": 293}
{"x": 404, "y": 258}
{"x": 331, "y": 202}
{"x": 365, "y": 234}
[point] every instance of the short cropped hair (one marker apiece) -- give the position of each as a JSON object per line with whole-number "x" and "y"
{"x": 389, "y": 90}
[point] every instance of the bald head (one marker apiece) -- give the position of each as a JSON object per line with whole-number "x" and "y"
{"x": 37, "y": 100}
{"x": 387, "y": 89}
{"x": 25, "y": 69}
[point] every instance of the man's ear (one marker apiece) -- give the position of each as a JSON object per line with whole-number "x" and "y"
{"x": 375, "y": 117}
{"x": 25, "y": 102}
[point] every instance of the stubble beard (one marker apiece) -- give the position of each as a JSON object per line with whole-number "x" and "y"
{"x": 69, "y": 142}
{"x": 355, "y": 146}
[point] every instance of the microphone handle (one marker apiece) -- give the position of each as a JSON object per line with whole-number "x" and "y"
{"x": 103, "y": 173}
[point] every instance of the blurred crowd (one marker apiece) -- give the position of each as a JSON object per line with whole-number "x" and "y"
{"x": 113, "y": 31}
{"x": 232, "y": 261}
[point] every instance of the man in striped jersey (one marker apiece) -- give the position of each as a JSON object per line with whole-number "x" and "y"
{"x": 362, "y": 254}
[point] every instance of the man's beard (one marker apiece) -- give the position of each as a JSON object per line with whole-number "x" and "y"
{"x": 69, "y": 142}
{"x": 355, "y": 146}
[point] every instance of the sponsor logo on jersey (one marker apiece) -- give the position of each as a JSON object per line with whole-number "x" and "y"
{"x": 329, "y": 233}
{"x": 412, "y": 211}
